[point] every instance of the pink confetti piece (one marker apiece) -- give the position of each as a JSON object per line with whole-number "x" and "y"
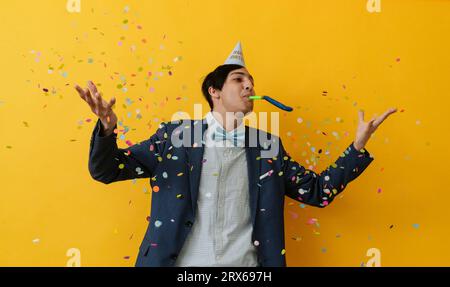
{"x": 312, "y": 221}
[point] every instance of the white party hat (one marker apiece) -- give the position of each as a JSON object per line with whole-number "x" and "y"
{"x": 236, "y": 57}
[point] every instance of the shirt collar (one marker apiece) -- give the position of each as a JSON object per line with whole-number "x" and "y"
{"x": 213, "y": 123}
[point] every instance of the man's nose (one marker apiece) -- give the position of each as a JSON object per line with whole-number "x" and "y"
{"x": 248, "y": 85}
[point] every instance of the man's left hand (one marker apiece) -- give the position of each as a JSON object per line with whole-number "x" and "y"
{"x": 365, "y": 130}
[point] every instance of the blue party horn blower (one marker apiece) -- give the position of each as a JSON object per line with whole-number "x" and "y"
{"x": 272, "y": 101}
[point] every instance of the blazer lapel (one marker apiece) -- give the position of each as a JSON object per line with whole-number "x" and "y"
{"x": 195, "y": 155}
{"x": 253, "y": 167}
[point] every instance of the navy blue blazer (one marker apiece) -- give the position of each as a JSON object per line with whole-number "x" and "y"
{"x": 173, "y": 207}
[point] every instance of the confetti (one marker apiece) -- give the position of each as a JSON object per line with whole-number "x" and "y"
{"x": 156, "y": 188}
{"x": 158, "y": 223}
{"x": 312, "y": 221}
{"x": 139, "y": 171}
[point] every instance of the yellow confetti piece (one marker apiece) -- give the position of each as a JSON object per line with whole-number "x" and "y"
{"x": 179, "y": 196}
{"x": 280, "y": 173}
{"x": 169, "y": 156}
{"x": 180, "y": 174}
{"x": 165, "y": 135}
{"x": 283, "y": 251}
{"x": 121, "y": 166}
{"x": 160, "y": 159}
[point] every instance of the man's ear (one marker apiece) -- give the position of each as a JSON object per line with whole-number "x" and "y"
{"x": 214, "y": 93}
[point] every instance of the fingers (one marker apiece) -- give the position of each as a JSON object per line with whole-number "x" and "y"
{"x": 92, "y": 87}
{"x": 94, "y": 94}
{"x": 384, "y": 116}
{"x": 111, "y": 103}
{"x": 361, "y": 115}
{"x": 89, "y": 98}
{"x": 93, "y": 98}
{"x": 82, "y": 93}
{"x": 371, "y": 122}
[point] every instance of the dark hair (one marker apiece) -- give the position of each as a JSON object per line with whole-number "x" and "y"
{"x": 216, "y": 79}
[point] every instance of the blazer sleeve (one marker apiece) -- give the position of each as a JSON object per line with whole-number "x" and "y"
{"x": 319, "y": 190}
{"x": 108, "y": 163}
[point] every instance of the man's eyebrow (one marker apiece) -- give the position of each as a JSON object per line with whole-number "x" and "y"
{"x": 242, "y": 74}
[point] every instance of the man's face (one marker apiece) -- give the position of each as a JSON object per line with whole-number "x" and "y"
{"x": 233, "y": 97}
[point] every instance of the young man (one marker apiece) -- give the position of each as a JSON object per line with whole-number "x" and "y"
{"x": 215, "y": 204}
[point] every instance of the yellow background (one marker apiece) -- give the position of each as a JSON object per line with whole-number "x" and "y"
{"x": 295, "y": 50}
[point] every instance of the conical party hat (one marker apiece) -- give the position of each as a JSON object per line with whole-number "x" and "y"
{"x": 236, "y": 57}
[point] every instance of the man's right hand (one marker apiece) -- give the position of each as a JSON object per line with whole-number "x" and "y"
{"x": 101, "y": 108}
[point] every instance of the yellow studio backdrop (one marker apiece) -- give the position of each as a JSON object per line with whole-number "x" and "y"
{"x": 325, "y": 58}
